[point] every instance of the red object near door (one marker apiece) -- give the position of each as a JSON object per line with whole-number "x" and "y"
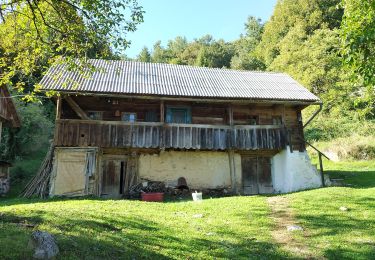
{"x": 153, "y": 196}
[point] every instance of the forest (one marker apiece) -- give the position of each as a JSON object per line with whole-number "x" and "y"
{"x": 326, "y": 45}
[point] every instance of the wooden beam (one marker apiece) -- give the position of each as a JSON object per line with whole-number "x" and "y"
{"x": 232, "y": 170}
{"x": 1, "y": 126}
{"x": 58, "y": 107}
{"x": 162, "y": 116}
{"x": 230, "y": 115}
{"x": 58, "y": 116}
{"x": 82, "y": 114}
{"x": 232, "y": 166}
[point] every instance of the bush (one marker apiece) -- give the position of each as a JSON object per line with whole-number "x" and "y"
{"x": 325, "y": 128}
{"x": 353, "y": 147}
{"x": 33, "y": 135}
{"x": 362, "y": 152}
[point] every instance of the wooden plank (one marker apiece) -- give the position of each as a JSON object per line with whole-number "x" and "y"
{"x": 162, "y": 111}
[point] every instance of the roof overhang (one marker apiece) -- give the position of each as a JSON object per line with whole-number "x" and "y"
{"x": 192, "y": 99}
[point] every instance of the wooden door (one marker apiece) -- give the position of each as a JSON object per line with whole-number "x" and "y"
{"x": 264, "y": 175}
{"x": 256, "y": 175}
{"x": 249, "y": 175}
{"x": 71, "y": 172}
{"x": 113, "y": 177}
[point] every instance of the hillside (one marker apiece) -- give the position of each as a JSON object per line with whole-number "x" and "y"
{"x": 232, "y": 227}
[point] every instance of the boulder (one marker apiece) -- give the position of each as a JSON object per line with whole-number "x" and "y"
{"x": 43, "y": 244}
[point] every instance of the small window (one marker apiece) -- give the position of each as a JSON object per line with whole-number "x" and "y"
{"x": 178, "y": 115}
{"x": 95, "y": 115}
{"x": 277, "y": 120}
{"x": 129, "y": 117}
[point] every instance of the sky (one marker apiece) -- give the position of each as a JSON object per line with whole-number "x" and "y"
{"x": 166, "y": 19}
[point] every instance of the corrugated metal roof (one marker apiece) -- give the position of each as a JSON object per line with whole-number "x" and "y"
{"x": 139, "y": 78}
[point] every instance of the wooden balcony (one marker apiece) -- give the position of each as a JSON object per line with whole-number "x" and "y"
{"x": 111, "y": 134}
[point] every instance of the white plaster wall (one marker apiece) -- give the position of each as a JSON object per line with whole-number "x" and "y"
{"x": 293, "y": 172}
{"x": 202, "y": 170}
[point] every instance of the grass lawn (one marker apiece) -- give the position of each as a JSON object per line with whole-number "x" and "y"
{"x": 221, "y": 228}
{"x": 333, "y": 233}
{"x": 236, "y": 227}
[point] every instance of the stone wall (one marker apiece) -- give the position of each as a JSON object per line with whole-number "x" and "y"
{"x": 293, "y": 172}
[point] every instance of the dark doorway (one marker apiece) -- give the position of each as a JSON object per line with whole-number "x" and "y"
{"x": 122, "y": 176}
{"x": 256, "y": 175}
{"x": 113, "y": 176}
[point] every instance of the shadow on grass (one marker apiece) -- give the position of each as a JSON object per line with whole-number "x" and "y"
{"x": 355, "y": 179}
{"x": 23, "y": 201}
{"x": 342, "y": 227}
{"x": 131, "y": 238}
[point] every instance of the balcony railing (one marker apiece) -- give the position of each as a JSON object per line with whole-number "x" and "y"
{"x": 76, "y": 133}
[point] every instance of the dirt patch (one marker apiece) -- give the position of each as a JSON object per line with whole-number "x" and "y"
{"x": 283, "y": 217}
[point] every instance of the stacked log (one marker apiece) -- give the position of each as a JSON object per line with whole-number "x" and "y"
{"x": 39, "y": 184}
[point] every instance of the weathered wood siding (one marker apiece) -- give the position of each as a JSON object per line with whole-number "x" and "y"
{"x": 75, "y": 133}
{"x": 213, "y": 114}
{"x": 250, "y": 138}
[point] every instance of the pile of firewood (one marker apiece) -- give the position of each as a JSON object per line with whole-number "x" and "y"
{"x": 146, "y": 186}
{"x": 39, "y": 184}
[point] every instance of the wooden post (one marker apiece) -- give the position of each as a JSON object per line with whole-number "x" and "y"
{"x": 230, "y": 112}
{"x": 162, "y": 111}
{"x": 58, "y": 107}
{"x": 1, "y": 127}
{"x": 290, "y": 141}
{"x": 232, "y": 166}
{"x": 321, "y": 169}
{"x": 162, "y": 120}
{"x": 58, "y": 117}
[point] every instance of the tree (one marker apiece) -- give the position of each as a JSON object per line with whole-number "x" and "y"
{"x": 245, "y": 57}
{"x": 254, "y": 28}
{"x": 215, "y": 55}
{"x": 145, "y": 55}
{"x": 358, "y": 50}
{"x": 33, "y": 136}
{"x": 313, "y": 61}
{"x": 37, "y": 33}
{"x": 313, "y": 14}
{"x": 204, "y": 51}
{"x": 159, "y": 54}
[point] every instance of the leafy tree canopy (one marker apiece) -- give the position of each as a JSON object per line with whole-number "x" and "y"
{"x": 313, "y": 14}
{"x": 37, "y": 33}
{"x": 144, "y": 55}
{"x": 358, "y": 49}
